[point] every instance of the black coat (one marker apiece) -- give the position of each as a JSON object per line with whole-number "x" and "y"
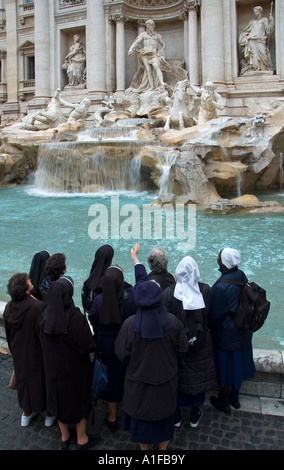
{"x": 22, "y": 332}
{"x": 68, "y": 369}
{"x": 150, "y": 388}
{"x": 164, "y": 278}
{"x": 106, "y": 336}
{"x": 225, "y": 334}
{"x": 197, "y": 372}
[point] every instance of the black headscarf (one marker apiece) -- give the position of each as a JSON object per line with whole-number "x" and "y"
{"x": 59, "y": 303}
{"x": 112, "y": 301}
{"x": 151, "y": 320}
{"x": 102, "y": 261}
{"x": 37, "y": 271}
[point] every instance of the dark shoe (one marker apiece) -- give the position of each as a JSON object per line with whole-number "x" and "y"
{"x": 93, "y": 441}
{"x": 65, "y": 444}
{"x": 196, "y": 415}
{"x": 112, "y": 425}
{"x": 177, "y": 418}
{"x": 235, "y": 404}
{"x": 234, "y": 398}
{"x": 225, "y": 408}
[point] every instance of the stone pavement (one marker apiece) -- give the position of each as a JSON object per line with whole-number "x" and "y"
{"x": 242, "y": 430}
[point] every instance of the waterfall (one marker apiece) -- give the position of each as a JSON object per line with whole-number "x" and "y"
{"x": 108, "y": 134}
{"x": 281, "y": 170}
{"x": 87, "y": 167}
{"x": 134, "y": 172}
{"x": 239, "y": 183}
{"x": 166, "y": 161}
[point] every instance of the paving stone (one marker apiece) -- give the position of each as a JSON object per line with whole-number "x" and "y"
{"x": 242, "y": 430}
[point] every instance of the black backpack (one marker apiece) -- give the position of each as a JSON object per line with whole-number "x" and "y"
{"x": 253, "y": 307}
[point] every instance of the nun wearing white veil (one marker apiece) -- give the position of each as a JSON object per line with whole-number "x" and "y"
{"x": 190, "y": 301}
{"x": 232, "y": 345}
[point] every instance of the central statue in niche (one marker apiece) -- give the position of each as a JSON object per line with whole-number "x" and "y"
{"x": 151, "y": 48}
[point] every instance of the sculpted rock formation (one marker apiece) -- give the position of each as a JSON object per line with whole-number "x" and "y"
{"x": 204, "y": 161}
{"x": 178, "y": 134}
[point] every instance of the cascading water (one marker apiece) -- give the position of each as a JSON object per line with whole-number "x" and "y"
{"x": 101, "y": 160}
{"x": 108, "y": 134}
{"x": 239, "y": 183}
{"x": 166, "y": 160}
{"x": 87, "y": 167}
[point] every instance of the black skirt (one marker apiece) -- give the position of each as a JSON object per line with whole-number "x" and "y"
{"x": 149, "y": 432}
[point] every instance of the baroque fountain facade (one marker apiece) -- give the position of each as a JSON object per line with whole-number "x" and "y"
{"x": 176, "y": 97}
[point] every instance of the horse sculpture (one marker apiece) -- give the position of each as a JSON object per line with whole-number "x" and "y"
{"x": 180, "y": 115}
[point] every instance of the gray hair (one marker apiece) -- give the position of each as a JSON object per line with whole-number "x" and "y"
{"x": 157, "y": 259}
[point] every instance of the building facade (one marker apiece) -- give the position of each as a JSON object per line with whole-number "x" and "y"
{"x": 37, "y": 38}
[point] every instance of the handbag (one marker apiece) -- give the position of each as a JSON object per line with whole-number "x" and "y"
{"x": 100, "y": 379}
{"x": 12, "y": 381}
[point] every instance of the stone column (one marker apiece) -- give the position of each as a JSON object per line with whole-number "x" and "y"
{"x": 12, "y": 52}
{"x": 141, "y": 26}
{"x": 42, "y": 54}
{"x": 96, "y": 49}
{"x": 279, "y": 37}
{"x": 120, "y": 52}
{"x": 184, "y": 18}
{"x": 108, "y": 50}
{"x": 212, "y": 40}
{"x": 193, "y": 59}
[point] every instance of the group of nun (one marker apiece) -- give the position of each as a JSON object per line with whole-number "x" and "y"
{"x": 164, "y": 348}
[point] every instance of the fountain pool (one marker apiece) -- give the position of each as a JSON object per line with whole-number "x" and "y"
{"x": 33, "y": 220}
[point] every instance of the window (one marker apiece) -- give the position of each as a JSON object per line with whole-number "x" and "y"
{"x": 30, "y": 70}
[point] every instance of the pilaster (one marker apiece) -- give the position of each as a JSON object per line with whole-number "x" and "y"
{"x": 212, "y": 40}
{"x": 193, "y": 59}
{"x": 12, "y": 105}
{"x": 96, "y": 49}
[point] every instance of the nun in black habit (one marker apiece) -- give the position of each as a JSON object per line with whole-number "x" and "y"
{"x": 67, "y": 342}
{"x": 108, "y": 312}
{"x": 37, "y": 272}
{"x": 93, "y": 285}
{"x": 22, "y": 317}
{"x": 150, "y": 343}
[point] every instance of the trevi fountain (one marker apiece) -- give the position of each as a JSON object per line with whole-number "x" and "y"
{"x": 163, "y": 143}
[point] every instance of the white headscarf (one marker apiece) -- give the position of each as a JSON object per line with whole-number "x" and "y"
{"x": 230, "y": 257}
{"x": 187, "y": 288}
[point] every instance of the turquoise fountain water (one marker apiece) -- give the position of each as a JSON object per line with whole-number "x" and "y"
{"x": 32, "y": 220}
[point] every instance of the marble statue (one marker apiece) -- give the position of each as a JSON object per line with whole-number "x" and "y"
{"x": 54, "y": 116}
{"x": 107, "y": 107}
{"x": 254, "y": 42}
{"x": 180, "y": 115}
{"x": 210, "y": 102}
{"x": 75, "y": 63}
{"x": 150, "y": 47}
{"x": 80, "y": 110}
{"x": 51, "y": 116}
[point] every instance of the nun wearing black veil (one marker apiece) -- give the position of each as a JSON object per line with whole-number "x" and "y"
{"x": 107, "y": 314}
{"x": 67, "y": 342}
{"x": 150, "y": 343}
{"x": 37, "y": 272}
{"x": 93, "y": 285}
